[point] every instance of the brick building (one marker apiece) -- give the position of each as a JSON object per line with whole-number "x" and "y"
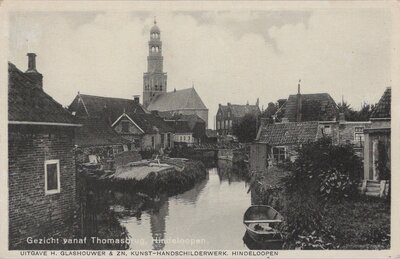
{"x": 230, "y": 114}
{"x": 41, "y": 165}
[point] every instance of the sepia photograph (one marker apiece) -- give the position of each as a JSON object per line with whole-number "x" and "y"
{"x": 223, "y": 128}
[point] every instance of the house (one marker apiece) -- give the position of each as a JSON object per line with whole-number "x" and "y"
{"x": 155, "y": 95}
{"x": 146, "y": 131}
{"x": 211, "y": 137}
{"x": 196, "y": 124}
{"x": 110, "y": 108}
{"x": 96, "y": 137}
{"x": 183, "y": 134}
{"x": 230, "y": 114}
{"x": 377, "y": 158}
{"x": 309, "y": 107}
{"x": 41, "y": 162}
{"x": 277, "y": 142}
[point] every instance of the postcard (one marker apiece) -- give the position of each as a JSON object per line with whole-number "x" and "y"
{"x": 212, "y": 129}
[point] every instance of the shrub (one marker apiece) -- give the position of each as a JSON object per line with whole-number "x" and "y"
{"x": 325, "y": 170}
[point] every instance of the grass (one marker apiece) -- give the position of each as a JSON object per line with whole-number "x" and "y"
{"x": 358, "y": 223}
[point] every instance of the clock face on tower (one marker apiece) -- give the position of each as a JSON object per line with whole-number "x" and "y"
{"x": 154, "y": 80}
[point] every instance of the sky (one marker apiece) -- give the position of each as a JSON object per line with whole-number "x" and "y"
{"x": 231, "y": 56}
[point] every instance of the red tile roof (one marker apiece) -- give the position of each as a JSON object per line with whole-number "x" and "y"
{"x": 288, "y": 133}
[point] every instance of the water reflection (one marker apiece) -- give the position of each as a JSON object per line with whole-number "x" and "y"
{"x": 209, "y": 216}
{"x": 227, "y": 171}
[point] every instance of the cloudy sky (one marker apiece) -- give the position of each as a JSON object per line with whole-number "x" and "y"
{"x": 229, "y": 56}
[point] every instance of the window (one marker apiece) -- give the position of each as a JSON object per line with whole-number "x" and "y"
{"x": 125, "y": 126}
{"x": 153, "y": 143}
{"x": 162, "y": 140}
{"x": 52, "y": 176}
{"x": 279, "y": 154}
{"x": 327, "y": 129}
{"x": 358, "y": 134}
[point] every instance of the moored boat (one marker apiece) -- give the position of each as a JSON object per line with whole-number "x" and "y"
{"x": 261, "y": 222}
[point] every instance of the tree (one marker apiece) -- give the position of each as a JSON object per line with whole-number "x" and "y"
{"x": 351, "y": 115}
{"x": 246, "y": 129}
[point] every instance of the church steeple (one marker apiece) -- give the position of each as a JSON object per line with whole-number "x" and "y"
{"x": 154, "y": 80}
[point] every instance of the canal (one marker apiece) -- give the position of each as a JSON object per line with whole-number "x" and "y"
{"x": 209, "y": 216}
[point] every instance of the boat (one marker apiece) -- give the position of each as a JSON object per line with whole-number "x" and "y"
{"x": 261, "y": 222}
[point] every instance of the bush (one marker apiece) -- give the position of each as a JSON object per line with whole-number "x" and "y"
{"x": 325, "y": 170}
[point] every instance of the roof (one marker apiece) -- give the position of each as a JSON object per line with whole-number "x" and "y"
{"x": 99, "y": 106}
{"x": 97, "y": 132}
{"x": 211, "y": 133}
{"x": 148, "y": 122}
{"x": 382, "y": 109}
{"x": 177, "y": 100}
{"x": 315, "y": 107}
{"x": 180, "y": 126}
{"x": 28, "y": 103}
{"x": 239, "y": 111}
{"x": 288, "y": 133}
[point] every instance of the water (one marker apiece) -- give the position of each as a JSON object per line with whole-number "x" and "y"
{"x": 209, "y": 216}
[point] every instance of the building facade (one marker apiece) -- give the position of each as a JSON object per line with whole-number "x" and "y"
{"x": 41, "y": 161}
{"x": 144, "y": 131}
{"x": 230, "y": 114}
{"x": 377, "y": 148}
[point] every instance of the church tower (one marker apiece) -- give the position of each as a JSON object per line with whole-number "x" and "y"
{"x": 154, "y": 80}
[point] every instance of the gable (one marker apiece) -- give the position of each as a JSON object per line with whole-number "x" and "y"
{"x": 133, "y": 128}
{"x": 382, "y": 109}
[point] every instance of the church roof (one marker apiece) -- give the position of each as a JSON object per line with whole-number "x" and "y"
{"x": 177, "y": 100}
{"x": 382, "y": 109}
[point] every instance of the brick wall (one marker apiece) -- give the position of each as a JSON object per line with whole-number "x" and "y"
{"x": 32, "y": 213}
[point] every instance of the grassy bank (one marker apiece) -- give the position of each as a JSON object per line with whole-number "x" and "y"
{"x": 170, "y": 181}
{"x": 357, "y": 223}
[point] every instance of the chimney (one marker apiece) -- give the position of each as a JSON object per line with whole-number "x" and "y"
{"x": 136, "y": 98}
{"x": 32, "y": 73}
{"x": 258, "y": 102}
{"x": 229, "y": 104}
{"x": 299, "y": 103}
{"x": 342, "y": 118}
